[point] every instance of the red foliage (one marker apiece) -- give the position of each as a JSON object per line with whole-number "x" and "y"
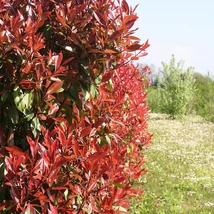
{"x": 73, "y": 113}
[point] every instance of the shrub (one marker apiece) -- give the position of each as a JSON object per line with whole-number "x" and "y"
{"x": 73, "y": 112}
{"x": 154, "y": 99}
{"x": 204, "y": 96}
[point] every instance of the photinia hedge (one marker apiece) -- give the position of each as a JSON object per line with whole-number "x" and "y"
{"x": 72, "y": 106}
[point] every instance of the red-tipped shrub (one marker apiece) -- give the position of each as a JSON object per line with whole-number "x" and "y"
{"x": 72, "y": 111}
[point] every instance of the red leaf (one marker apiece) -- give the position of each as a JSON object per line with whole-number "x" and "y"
{"x": 146, "y": 45}
{"x": 62, "y": 137}
{"x": 14, "y": 150}
{"x": 110, "y": 51}
{"x": 92, "y": 185}
{"x": 41, "y": 116}
{"x": 59, "y": 188}
{"x": 99, "y": 17}
{"x": 143, "y": 54}
{"x": 41, "y": 197}
{"x": 134, "y": 47}
{"x": 2, "y": 207}
{"x": 90, "y": 108}
{"x": 116, "y": 34}
{"x": 27, "y": 84}
{"x": 129, "y": 21}
{"x": 27, "y": 69}
{"x": 93, "y": 204}
{"x": 134, "y": 58}
{"x": 75, "y": 38}
{"x": 108, "y": 212}
{"x": 54, "y": 87}
{"x": 86, "y": 131}
{"x": 107, "y": 76}
{"x": 33, "y": 146}
{"x": 38, "y": 46}
{"x": 61, "y": 19}
{"x": 93, "y": 132}
{"x": 60, "y": 162}
{"x": 67, "y": 61}
{"x": 60, "y": 119}
{"x": 96, "y": 156}
{"x": 134, "y": 38}
{"x": 76, "y": 176}
{"x": 53, "y": 109}
{"x": 75, "y": 148}
{"x": 99, "y": 122}
{"x": 58, "y": 60}
{"x": 125, "y": 6}
{"x": 94, "y": 51}
{"x": 120, "y": 180}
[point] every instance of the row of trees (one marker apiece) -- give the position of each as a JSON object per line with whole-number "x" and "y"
{"x": 178, "y": 91}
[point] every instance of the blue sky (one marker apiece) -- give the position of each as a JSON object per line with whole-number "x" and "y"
{"x": 184, "y": 28}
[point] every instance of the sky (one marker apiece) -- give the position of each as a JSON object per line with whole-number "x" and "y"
{"x": 184, "y": 28}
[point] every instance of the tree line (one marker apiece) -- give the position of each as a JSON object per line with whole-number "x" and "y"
{"x": 179, "y": 91}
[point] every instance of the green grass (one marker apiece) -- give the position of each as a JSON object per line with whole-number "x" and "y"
{"x": 180, "y": 165}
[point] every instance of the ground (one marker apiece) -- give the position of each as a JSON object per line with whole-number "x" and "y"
{"x": 180, "y": 165}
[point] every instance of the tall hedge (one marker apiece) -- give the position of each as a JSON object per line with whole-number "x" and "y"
{"x": 72, "y": 106}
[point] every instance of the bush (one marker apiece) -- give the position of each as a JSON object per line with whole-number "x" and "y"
{"x": 154, "y": 99}
{"x": 204, "y": 96}
{"x": 73, "y": 112}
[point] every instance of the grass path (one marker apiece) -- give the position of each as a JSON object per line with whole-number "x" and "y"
{"x": 180, "y": 165}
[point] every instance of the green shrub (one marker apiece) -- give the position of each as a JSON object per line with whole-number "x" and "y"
{"x": 204, "y": 96}
{"x": 154, "y": 99}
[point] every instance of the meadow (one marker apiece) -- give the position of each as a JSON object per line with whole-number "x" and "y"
{"x": 180, "y": 164}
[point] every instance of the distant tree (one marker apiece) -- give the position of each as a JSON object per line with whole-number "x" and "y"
{"x": 176, "y": 87}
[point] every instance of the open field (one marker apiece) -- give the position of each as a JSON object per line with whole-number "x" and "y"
{"x": 180, "y": 165}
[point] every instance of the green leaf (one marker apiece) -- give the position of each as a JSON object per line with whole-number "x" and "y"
{"x": 104, "y": 140}
{"x": 60, "y": 90}
{"x": 4, "y": 96}
{"x": 73, "y": 93}
{"x": 110, "y": 88}
{"x": 18, "y": 96}
{"x": 35, "y": 126}
{"x": 93, "y": 91}
{"x": 118, "y": 185}
{"x": 108, "y": 140}
{"x": 22, "y": 100}
{"x": 66, "y": 194}
{"x": 29, "y": 114}
{"x": 87, "y": 96}
{"x": 13, "y": 114}
{"x": 27, "y": 100}
{"x": 98, "y": 80}
{"x": 85, "y": 90}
